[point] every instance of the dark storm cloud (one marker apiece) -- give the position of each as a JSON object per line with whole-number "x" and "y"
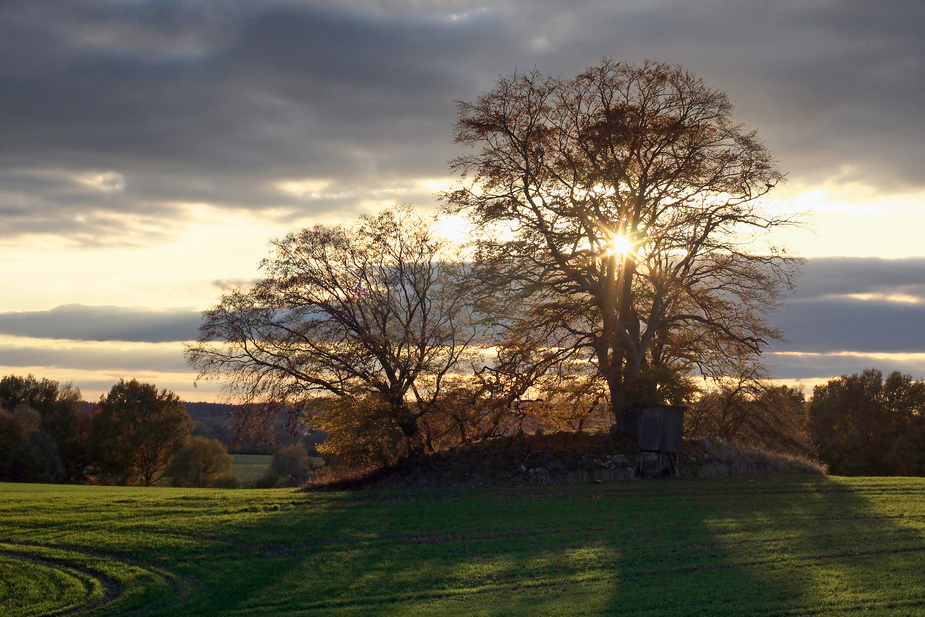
{"x": 840, "y": 324}
{"x": 867, "y": 305}
{"x": 833, "y": 86}
{"x": 170, "y": 102}
{"x": 827, "y": 366}
{"x": 838, "y": 276}
{"x": 103, "y": 323}
{"x": 215, "y": 105}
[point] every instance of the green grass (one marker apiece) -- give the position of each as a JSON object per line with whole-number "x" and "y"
{"x": 249, "y": 467}
{"x": 768, "y": 546}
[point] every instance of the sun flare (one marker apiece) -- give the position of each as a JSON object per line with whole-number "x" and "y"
{"x": 619, "y": 245}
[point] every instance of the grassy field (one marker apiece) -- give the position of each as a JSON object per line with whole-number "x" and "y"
{"x": 768, "y": 546}
{"x": 249, "y": 467}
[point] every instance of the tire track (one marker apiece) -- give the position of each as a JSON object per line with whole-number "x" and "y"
{"x": 106, "y": 579}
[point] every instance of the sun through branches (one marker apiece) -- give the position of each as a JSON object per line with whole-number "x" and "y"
{"x": 652, "y": 152}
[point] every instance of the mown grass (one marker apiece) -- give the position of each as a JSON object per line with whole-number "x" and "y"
{"x": 766, "y": 546}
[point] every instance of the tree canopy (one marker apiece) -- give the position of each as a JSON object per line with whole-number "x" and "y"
{"x": 375, "y": 309}
{"x": 42, "y": 421}
{"x": 632, "y": 206}
{"x": 863, "y": 424}
{"x": 136, "y": 431}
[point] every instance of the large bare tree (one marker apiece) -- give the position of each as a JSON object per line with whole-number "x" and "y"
{"x": 375, "y": 309}
{"x": 632, "y": 205}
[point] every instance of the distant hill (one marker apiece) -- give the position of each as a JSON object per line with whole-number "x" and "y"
{"x": 216, "y": 421}
{"x": 213, "y": 420}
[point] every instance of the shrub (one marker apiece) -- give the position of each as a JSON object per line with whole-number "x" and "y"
{"x": 751, "y": 411}
{"x": 200, "y": 463}
{"x": 225, "y": 482}
{"x": 291, "y": 466}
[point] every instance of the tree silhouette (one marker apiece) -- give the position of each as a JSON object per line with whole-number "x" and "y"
{"x": 376, "y": 309}
{"x": 855, "y": 422}
{"x": 55, "y": 445}
{"x": 632, "y": 206}
{"x": 136, "y": 432}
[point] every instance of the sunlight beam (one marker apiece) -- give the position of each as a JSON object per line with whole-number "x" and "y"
{"x": 619, "y": 245}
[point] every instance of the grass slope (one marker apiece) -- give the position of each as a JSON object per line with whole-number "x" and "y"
{"x": 797, "y": 545}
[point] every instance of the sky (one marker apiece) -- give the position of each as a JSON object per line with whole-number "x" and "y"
{"x": 150, "y": 150}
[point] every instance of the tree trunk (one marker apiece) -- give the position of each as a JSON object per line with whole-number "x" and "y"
{"x": 627, "y": 421}
{"x": 412, "y": 432}
{"x": 629, "y": 392}
{"x": 624, "y": 414}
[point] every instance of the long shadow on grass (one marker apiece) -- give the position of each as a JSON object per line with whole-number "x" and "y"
{"x": 571, "y": 550}
{"x": 719, "y": 547}
{"x": 520, "y": 551}
{"x": 812, "y": 545}
{"x": 791, "y": 546}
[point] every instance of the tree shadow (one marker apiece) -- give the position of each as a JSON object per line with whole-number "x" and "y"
{"x": 838, "y": 544}
{"x": 792, "y": 545}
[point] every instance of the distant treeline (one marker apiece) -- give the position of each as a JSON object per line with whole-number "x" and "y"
{"x": 863, "y": 424}
{"x": 860, "y": 424}
{"x": 130, "y": 436}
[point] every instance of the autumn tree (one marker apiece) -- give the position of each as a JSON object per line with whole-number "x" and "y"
{"x": 373, "y": 310}
{"x": 863, "y": 424}
{"x": 624, "y": 208}
{"x": 199, "y": 463}
{"x": 136, "y": 431}
{"x": 21, "y": 458}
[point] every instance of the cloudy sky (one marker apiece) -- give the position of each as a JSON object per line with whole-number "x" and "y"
{"x": 149, "y": 150}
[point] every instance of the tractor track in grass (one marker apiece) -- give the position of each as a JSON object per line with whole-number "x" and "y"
{"x": 96, "y": 573}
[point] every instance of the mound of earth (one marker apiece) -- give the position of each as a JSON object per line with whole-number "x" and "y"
{"x": 568, "y": 458}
